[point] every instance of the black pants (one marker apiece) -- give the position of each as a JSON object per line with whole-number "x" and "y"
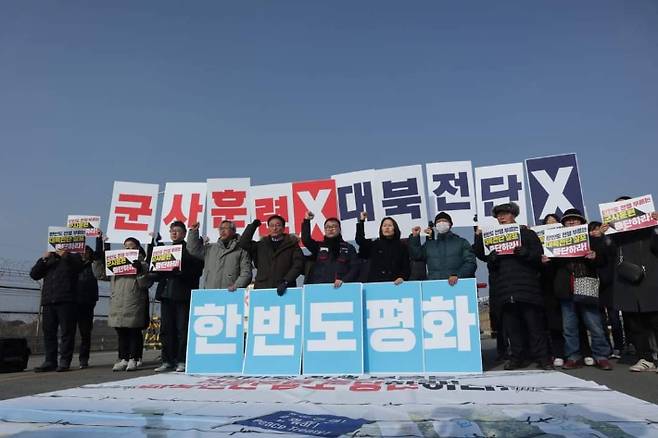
{"x": 173, "y": 330}
{"x": 641, "y": 326}
{"x": 613, "y": 318}
{"x": 85, "y": 320}
{"x": 130, "y": 342}
{"x": 60, "y": 316}
{"x": 524, "y": 324}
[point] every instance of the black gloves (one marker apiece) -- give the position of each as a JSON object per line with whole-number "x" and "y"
{"x": 138, "y": 266}
{"x": 256, "y": 222}
{"x": 281, "y": 288}
{"x": 521, "y": 251}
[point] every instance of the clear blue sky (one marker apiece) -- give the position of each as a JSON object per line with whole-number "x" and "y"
{"x": 156, "y": 91}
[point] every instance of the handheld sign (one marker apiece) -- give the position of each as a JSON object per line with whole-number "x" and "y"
{"x": 120, "y": 262}
{"x": 91, "y": 224}
{"x": 166, "y": 258}
{"x": 629, "y": 215}
{"x": 65, "y": 239}
{"x": 501, "y": 238}
{"x": 567, "y": 242}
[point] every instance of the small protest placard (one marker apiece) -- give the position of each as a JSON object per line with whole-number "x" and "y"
{"x": 166, "y": 258}
{"x": 91, "y": 224}
{"x": 567, "y": 242}
{"x": 501, "y": 238}
{"x": 120, "y": 262}
{"x": 629, "y": 215}
{"x": 66, "y": 239}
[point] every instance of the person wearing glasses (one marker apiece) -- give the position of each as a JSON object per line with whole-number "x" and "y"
{"x": 335, "y": 260}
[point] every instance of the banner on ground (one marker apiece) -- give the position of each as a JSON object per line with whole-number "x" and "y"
{"x": 91, "y": 224}
{"x": 166, "y": 258}
{"x": 452, "y": 189}
{"x": 554, "y": 185}
{"x": 132, "y": 212}
{"x": 120, "y": 262}
{"x": 629, "y": 215}
{"x": 501, "y": 238}
{"x": 66, "y": 239}
{"x": 566, "y": 242}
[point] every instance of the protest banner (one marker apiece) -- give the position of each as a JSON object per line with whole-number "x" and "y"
{"x": 227, "y": 199}
{"x": 452, "y": 189}
{"x": 554, "y": 185}
{"x": 66, "y": 239}
{"x": 268, "y": 200}
{"x": 132, "y": 212}
{"x": 318, "y": 197}
{"x": 120, "y": 262}
{"x": 274, "y": 336}
{"x": 394, "y": 329}
{"x": 91, "y": 224}
{"x": 501, "y": 238}
{"x": 183, "y": 202}
{"x": 215, "y": 340}
{"x": 566, "y": 242}
{"x": 333, "y": 329}
{"x": 540, "y": 231}
{"x": 495, "y": 185}
{"x": 166, "y": 258}
{"x": 402, "y": 194}
{"x": 629, "y": 215}
{"x": 354, "y": 193}
{"x": 451, "y": 327}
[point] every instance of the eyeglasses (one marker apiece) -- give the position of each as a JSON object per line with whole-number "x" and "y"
{"x": 331, "y": 227}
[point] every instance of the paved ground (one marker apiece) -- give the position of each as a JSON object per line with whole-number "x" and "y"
{"x": 640, "y": 385}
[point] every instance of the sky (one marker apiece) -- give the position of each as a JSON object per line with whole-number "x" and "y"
{"x": 157, "y": 91}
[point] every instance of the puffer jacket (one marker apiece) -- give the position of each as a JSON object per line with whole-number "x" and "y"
{"x": 60, "y": 278}
{"x": 446, "y": 255}
{"x": 223, "y": 266}
{"x": 177, "y": 285}
{"x": 329, "y": 266}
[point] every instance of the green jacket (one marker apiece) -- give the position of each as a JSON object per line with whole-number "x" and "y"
{"x": 447, "y": 254}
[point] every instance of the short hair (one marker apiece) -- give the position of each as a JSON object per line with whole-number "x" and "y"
{"x": 276, "y": 216}
{"x": 230, "y": 224}
{"x": 178, "y": 224}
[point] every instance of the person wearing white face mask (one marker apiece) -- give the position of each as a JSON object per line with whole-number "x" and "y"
{"x": 448, "y": 256}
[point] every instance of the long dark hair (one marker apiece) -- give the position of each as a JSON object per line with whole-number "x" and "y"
{"x": 396, "y": 229}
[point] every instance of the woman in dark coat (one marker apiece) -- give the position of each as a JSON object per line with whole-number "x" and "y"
{"x": 388, "y": 257}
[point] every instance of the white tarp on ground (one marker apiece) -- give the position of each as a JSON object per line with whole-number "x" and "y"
{"x": 498, "y": 404}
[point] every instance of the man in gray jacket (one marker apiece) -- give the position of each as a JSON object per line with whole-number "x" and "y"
{"x": 227, "y": 266}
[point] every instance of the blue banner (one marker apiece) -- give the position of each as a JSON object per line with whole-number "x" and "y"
{"x": 393, "y": 328}
{"x": 451, "y": 327}
{"x": 274, "y": 340}
{"x": 554, "y": 184}
{"x": 215, "y": 339}
{"x": 333, "y": 329}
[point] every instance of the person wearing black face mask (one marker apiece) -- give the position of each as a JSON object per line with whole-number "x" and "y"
{"x": 335, "y": 260}
{"x": 448, "y": 256}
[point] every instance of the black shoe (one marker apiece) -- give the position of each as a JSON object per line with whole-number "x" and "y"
{"x": 62, "y": 368}
{"x": 513, "y": 364}
{"x": 84, "y": 364}
{"x": 45, "y": 367}
{"x": 545, "y": 365}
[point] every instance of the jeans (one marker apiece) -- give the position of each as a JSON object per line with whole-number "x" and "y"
{"x": 591, "y": 316}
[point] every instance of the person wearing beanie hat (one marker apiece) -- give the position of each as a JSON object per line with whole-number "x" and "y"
{"x": 516, "y": 294}
{"x": 573, "y": 313}
{"x": 448, "y": 256}
{"x": 278, "y": 258}
{"x": 334, "y": 260}
{"x": 634, "y": 268}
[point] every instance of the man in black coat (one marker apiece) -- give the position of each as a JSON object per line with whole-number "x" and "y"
{"x": 59, "y": 271}
{"x": 516, "y": 293}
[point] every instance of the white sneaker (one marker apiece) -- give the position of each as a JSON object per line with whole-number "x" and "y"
{"x": 589, "y": 361}
{"x": 642, "y": 365}
{"x": 164, "y": 367}
{"x": 558, "y": 362}
{"x": 616, "y": 354}
{"x": 120, "y": 366}
{"x": 132, "y": 365}
{"x": 180, "y": 368}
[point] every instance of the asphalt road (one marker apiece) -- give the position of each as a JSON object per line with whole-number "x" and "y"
{"x": 641, "y": 385}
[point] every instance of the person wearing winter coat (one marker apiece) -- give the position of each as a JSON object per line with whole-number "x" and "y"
{"x": 635, "y": 286}
{"x": 448, "y": 256}
{"x": 277, "y": 256}
{"x": 225, "y": 264}
{"x": 128, "y": 306}
{"x": 174, "y": 292}
{"x": 59, "y": 272}
{"x": 86, "y": 299}
{"x": 566, "y": 272}
{"x": 388, "y": 257}
{"x": 335, "y": 261}
{"x": 516, "y": 293}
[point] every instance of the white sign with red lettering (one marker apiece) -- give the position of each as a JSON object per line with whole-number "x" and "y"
{"x": 183, "y": 202}
{"x": 318, "y": 197}
{"x": 268, "y": 200}
{"x": 166, "y": 258}
{"x": 629, "y": 215}
{"x": 66, "y": 239}
{"x": 501, "y": 238}
{"x": 566, "y": 242}
{"x": 132, "y": 212}
{"x": 120, "y": 262}
{"x": 227, "y": 199}
{"x": 91, "y": 224}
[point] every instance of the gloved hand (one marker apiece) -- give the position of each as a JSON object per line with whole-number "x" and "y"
{"x": 256, "y": 222}
{"x": 492, "y": 257}
{"x": 521, "y": 251}
{"x": 138, "y": 266}
{"x": 281, "y": 288}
